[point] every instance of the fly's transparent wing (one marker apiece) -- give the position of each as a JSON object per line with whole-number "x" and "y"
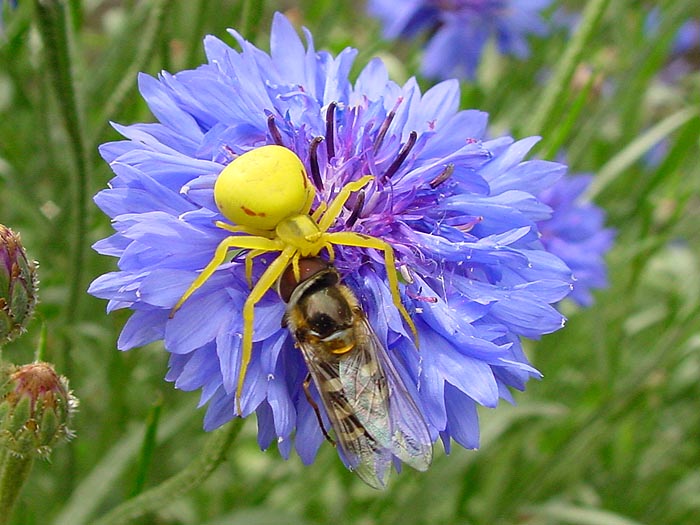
{"x": 370, "y": 459}
{"x": 381, "y": 400}
{"x": 370, "y": 409}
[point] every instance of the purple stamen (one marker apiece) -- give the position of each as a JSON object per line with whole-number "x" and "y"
{"x": 274, "y": 130}
{"x": 313, "y": 160}
{"x": 330, "y": 130}
{"x": 382, "y": 131}
{"x": 443, "y": 176}
{"x": 405, "y": 150}
{"x": 356, "y": 209}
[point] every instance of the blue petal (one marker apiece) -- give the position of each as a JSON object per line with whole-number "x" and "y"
{"x": 266, "y": 428}
{"x": 471, "y": 376}
{"x": 526, "y": 315}
{"x": 220, "y": 410}
{"x": 372, "y": 80}
{"x": 308, "y": 437}
{"x": 166, "y": 111}
{"x": 119, "y": 286}
{"x": 432, "y": 383}
{"x": 454, "y": 50}
{"x": 199, "y": 369}
{"x": 287, "y": 50}
{"x": 228, "y": 350}
{"x": 507, "y": 160}
{"x": 198, "y": 322}
{"x": 463, "y": 419}
{"x": 531, "y": 176}
{"x": 143, "y": 327}
{"x": 282, "y": 407}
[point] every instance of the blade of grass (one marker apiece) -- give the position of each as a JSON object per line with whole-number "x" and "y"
{"x": 557, "y": 88}
{"x": 99, "y": 483}
{"x": 149, "y": 43}
{"x": 148, "y": 446}
{"x": 213, "y": 454}
{"x": 569, "y": 120}
{"x": 576, "y": 515}
{"x": 636, "y": 150}
{"x": 56, "y": 32}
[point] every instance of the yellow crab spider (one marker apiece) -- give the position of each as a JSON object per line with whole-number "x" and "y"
{"x": 267, "y": 194}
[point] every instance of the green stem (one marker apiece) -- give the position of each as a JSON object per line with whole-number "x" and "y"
{"x": 251, "y": 12}
{"x": 152, "y": 31}
{"x": 197, "y": 29}
{"x": 13, "y": 474}
{"x": 557, "y": 88}
{"x": 56, "y": 33}
{"x": 148, "y": 446}
{"x": 170, "y": 490}
{"x": 40, "y": 354}
{"x": 245, "y": 18}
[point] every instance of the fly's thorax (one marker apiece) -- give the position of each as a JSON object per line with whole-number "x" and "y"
{"x": 326, "y": 310}
{"x": 302, "y": 232}
{"x": 320, "y": 310}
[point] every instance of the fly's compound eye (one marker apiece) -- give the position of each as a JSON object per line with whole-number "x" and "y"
{"x": 262, "y": 187}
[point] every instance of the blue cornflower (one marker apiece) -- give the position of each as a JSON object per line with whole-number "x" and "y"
{"x": 576, "y": 233}
{"x": 459, "y": 29}
{"x": 459, "y": 211}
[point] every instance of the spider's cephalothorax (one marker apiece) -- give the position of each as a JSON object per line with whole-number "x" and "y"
{"x": 267, "y": 194}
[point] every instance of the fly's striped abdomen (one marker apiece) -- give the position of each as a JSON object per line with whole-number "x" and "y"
{"x": 366, "y": 400}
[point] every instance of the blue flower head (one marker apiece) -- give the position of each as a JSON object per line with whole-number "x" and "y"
{"x": 576, "y": 233}
{"x": 459, "y": 211}
{"x": 459, "y": 29}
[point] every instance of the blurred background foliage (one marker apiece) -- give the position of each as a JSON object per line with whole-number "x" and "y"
{"x": 611, "y": 435}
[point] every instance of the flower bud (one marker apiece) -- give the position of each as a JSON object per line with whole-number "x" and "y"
{"x": 18, "y": 286}
{"x": 35, "y": 409}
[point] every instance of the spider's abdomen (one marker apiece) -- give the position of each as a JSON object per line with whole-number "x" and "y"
{"x": 263, "y": 187}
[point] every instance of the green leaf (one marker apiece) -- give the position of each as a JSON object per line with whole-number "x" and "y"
{"x": 575, "y": 515}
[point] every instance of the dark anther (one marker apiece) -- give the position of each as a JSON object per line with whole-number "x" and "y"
{"x": 356, "y": 209}
{"x": 313, "y": 160}
{"x": 412, "y": 137}
{"x": 330, "y": 130}
{"x": 382, "y": 131}
{"x": 274, "y": 130}
{"x": 443, "y": 176}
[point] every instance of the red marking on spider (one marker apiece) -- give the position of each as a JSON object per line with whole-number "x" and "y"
{"x": 252, "y": 213}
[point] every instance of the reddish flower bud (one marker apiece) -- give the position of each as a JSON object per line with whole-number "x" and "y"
{"x": 18, "y": 286}
{"x": 35, "y": 410}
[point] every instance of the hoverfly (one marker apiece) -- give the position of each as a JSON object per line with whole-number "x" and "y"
{"x": 368, "y": 405}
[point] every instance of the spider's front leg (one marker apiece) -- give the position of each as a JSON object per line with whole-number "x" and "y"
{"x": 267, "y": 280}
{"x": 336, "y": 206}
{"x": 259, "y": 244}
{"x": 367, "y": 241}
